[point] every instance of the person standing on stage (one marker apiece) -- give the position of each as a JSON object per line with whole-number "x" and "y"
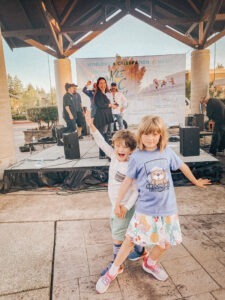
{"x": 103, "y": 115}
{"x": 69, "y": 109}
{"x": 80, "y": 120}
{"x": 117, "y": 98}
{"x": 90, "y": 94}
{"x": 215, "y": 110}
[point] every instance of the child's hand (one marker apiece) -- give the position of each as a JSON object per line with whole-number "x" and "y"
{"x": 203, "y": 182}
{"x": 123, "y": 210}
{"x": 117, "y": 211}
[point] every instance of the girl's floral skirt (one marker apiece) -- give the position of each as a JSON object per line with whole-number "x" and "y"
{"x": 148, "y": 230}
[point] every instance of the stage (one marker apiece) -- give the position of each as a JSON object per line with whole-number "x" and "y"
{"x": 49, "y": 168}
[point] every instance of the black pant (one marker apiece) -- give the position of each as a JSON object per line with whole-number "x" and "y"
{"x": 70, "y": 125}
{"x": 217, "y": 139}
{"x": 81, "y": 122}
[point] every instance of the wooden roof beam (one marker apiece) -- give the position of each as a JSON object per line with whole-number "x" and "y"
{"x": 175, "y": 21}
{"x": 94, "y": 34}
{"x": 192, "y": 4}
{"x": 215, "y": 7}
{"x": 178, "y": 36}
{"x": 215, "y": 38}
{"x": 191, "y": 28}
{"x": 23, "y": 32}
{"x": 47, "y": 19}
{"x": 67, "y": 11}
{"x": 40, "y": 46}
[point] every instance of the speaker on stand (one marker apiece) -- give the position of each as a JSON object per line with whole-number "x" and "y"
{"x": 189, "y": 141}
{"x": 71, "y": 145}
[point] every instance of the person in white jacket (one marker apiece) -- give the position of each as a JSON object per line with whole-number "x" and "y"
{"x": 124, "y": 143}
{"x": 119, "y": 100}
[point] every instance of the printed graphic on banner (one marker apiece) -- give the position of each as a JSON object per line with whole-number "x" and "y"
{"x": 152, "y": 84}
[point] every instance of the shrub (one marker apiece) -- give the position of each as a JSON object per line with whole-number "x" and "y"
{"x": 47, "y": 114}
{"x": 19, "y": 117}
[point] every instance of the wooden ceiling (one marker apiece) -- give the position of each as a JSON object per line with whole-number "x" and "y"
{"x": 61, "y": 27}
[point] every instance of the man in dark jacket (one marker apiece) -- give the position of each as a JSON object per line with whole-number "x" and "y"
{"x": 215, "y": 110}
{"x": 80, "y": 120}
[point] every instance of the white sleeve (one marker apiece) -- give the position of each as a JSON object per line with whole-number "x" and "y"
{"x": 124, "y": 101}
{"x": 133, "y": 196}
{"x": 102, "y": 143}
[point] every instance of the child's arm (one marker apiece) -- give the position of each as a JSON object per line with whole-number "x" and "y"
{"x": 198, "y": 182}
{"x": 97, "y": 136}
{"x": 122, "y": 192}
{"x": 132, "y": 196}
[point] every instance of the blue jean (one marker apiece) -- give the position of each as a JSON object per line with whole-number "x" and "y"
{"x": 119, "y": 119}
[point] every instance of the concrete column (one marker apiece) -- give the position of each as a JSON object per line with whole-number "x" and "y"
{"x": 200, "y": 60}
{"x": 7, "y": 148}
{"x": 63, "y": 74}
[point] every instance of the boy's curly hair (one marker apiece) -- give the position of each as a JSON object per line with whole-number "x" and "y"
{"x": 127, "y": 136}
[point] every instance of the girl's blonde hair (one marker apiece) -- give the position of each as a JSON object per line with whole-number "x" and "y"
{"x": 152, "y": 124}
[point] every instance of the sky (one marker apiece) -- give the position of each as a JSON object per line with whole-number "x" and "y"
{"x": 128, "y": 37}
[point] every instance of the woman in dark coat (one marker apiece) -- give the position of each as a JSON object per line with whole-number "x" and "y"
{"x": 103, "y": 115}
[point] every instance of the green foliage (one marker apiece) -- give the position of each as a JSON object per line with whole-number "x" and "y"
{"x": 15, "y": 86}
{"x": 19, "y": 117}
{"x": 22, "y": 98}
{"x": 48, "y": 114}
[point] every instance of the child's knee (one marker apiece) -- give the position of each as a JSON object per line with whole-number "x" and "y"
{"x": 167, "y": 246}
{"x": 128, "y": 242}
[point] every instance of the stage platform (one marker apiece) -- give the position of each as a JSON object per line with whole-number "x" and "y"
{"x": 50, "y": 168}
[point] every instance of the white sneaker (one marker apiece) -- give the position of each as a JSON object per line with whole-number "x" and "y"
{"x": 157, "y": 271}
{"x": 104, "y": 282}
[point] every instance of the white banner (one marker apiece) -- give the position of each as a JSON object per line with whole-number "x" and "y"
{"x": 153, "y": 85}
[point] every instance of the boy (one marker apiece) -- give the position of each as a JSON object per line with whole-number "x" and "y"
{"x": 124, "y": 143}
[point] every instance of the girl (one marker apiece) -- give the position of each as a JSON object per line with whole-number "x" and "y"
{"x": 155, "y": 221}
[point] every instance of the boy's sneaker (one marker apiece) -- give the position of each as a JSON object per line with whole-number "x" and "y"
{"x": 104, "y": 282}
{"x": 157, "y": 271}
{"x": 106, "y": 269}
{"x": 134, "y": 255}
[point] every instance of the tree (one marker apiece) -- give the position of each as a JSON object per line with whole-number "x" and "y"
{"x": 15, "y": 86}
{"x": 220, "y": 66}
{"x": 30, "y": 97}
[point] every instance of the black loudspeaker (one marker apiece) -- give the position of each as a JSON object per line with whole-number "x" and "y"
{"x": 195, "y": 120}
{"x": 199, "y": 121}
{"x": 71, "y": 145}
{"x": 189, "y": 120}
{"x": 189, "y": 141}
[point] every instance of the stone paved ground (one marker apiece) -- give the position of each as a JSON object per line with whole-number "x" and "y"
{"x": 55, "y": 243}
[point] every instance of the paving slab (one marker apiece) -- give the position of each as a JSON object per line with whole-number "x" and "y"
{"x": 26, "y": 256}
{"x": 196, "y": 201}
{"x": 49, "y": 206}
{"x": 194, "y": 282}
{"x": 41, "y": 294}
{"x": 205, "y": 296}
{"x": 219, "y": 295}
{"x": 135, "y": 283}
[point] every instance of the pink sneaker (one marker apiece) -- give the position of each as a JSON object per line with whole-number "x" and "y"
{"x": 104, "y": 282}
{"x": 157, "y": 271}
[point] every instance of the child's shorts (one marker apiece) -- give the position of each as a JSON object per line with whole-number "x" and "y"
{"x": 148, "y": 230}
{"x": 119, "y": 226}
